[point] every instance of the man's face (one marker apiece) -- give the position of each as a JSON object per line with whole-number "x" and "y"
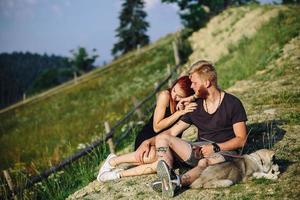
{"x": 198, "y": 86}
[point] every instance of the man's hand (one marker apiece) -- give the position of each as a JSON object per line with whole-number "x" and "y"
{"x": 183, "y": 102}
{"x": 207, "y": 150}
{"x": 198, "y": 151}
{"x": 143, "y": 149}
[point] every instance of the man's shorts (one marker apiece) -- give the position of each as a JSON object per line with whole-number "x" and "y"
{"x": 194, "y": 159}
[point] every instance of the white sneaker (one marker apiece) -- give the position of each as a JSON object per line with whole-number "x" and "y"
{"x": 109, "y": 176}
{"x": 106, "y": 167}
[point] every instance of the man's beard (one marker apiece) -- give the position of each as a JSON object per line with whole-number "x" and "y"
{"x": 202, "y": 92}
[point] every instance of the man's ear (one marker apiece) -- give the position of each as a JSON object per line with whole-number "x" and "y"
{"x": 207, "y": 84}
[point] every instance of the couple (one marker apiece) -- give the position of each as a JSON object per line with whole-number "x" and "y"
{"x": 219, "y": 117}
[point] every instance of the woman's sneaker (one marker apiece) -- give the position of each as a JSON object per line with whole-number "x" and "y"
{"x": 169, "y": 182}
{"x": 110, "y": 175}
{"x": 106, "y": 167}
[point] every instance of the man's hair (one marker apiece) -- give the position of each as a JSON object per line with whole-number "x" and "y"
{"x": 205, "y": 70}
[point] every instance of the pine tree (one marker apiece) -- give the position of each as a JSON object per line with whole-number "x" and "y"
{"x": 132, "y": 29}
{"x": 81, "y": 61}
{"x": 195, "y": 13}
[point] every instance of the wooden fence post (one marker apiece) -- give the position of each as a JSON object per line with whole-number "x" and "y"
{"x": 75, "y": 77}
{"x": 10, "y": 184}
{"x": 138, "y": 110}
{"x": 170, "y": 82}
{"x": 155, "y": 87}
{"x": 109, "y": 141}
{"x": 176, "y": 53}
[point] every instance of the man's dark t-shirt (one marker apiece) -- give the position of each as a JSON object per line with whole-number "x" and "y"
{"x": 217, "y": 127}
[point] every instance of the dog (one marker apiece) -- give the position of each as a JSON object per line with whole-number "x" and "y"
{"x": 259, "y": 164}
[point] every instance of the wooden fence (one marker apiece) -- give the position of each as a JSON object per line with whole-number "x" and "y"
{"x": 108, "y": 137}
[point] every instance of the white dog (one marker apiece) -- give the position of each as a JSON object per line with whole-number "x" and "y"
{"x": 259, "y": 164}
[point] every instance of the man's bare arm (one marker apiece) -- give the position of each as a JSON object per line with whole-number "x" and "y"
{"x": 239, "y": 140}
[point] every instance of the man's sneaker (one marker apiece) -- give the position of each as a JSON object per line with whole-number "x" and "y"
{"x": 106, "y": 167}
{"x": 109, "y": 176}
{"x": 157, "y": 186}
{"x": 169, "y": 181}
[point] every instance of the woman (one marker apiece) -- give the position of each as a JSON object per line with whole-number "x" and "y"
{"x": 165, "y": 115}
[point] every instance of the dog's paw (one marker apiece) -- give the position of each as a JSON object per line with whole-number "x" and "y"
{"x": 275, "y": 169}
{"x": 258, "y": 175}
{"x": 197, "y": 184}
{"x": 274, "y": 172}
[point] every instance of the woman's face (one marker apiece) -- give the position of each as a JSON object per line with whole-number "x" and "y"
{"x": 177, "y": 93}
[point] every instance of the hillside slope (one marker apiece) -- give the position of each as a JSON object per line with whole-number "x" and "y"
{"x": 271, "y": 98}
{"x": 74, "y": 113}
{"x": 279, "y": 100}
{"x": 226, "y": 29}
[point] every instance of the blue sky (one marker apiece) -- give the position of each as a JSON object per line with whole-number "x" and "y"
{"x": 57, "y": 26}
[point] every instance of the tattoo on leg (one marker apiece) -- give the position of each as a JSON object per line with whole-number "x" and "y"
{"x": 162, "y": 149}
{"x": 185, "y": 179}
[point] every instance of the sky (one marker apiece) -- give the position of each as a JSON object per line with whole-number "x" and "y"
{"x": 58, "y": 26}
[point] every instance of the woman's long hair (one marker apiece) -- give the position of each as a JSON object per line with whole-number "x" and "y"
{"x": 184, "y": 83}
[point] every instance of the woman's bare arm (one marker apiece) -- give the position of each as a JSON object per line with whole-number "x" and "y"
{"x": 159, "y": 122}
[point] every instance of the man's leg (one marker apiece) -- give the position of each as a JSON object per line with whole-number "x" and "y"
{"x": 190, "y": 176}
{"x": 168, "y": 181}
{"x": 163, "y": 144}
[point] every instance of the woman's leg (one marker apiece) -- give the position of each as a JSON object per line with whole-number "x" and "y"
{"x": 130, "y": 158}
{"x": 147, "y": 168}
{"x": 144, "y": 169}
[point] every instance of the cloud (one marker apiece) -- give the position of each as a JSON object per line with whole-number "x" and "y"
{"x": 151, "y": 4}
{"x": 56, "y": 9}
{"x": 17, "y": 9}
{"x": 67, "y": 3}
{"x": 32, "y": 2}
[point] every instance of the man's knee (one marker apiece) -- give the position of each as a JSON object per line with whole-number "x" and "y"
{"x": 203, "y": 163}
{"x": 215, "y": 159}
{"x": 162, "y": 137}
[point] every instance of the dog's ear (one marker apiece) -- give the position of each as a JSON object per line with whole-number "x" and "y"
{"x": 273, "y": 159}
{"x": 270, "y": 153}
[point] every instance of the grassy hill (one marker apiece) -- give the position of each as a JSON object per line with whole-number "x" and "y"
{"x": 270, "y": 93}
{"x": 51, "y": 126}
{"x": 74, "y": 114}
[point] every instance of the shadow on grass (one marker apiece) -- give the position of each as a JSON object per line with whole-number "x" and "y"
{"x": 263, "y": 135}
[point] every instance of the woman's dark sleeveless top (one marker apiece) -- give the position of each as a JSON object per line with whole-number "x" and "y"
{"x": 148, "y": 131}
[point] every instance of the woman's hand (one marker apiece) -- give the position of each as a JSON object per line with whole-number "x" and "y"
{"x": 143, "y": 149}
{"x": 184, "y": 102}
{"x": 188, "y": 108}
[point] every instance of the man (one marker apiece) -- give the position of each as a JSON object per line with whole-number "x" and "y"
{"x": 220, "y": 118}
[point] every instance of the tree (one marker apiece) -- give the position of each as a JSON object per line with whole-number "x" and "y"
{"x": 195, "y": 13}
{"x": 81, "y": 61}
{"x": 132, "y": 29}
{"x": 290, "y": 1}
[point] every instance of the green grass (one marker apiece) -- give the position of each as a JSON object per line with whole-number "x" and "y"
{"x": 74, "y": 117}
{"x": 253, "y": 54}
{"x": 49, "y": 130}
